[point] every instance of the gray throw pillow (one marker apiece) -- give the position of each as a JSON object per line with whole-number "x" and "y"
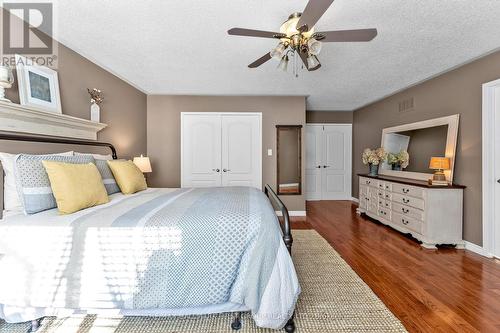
{"x": 32, "y": 181}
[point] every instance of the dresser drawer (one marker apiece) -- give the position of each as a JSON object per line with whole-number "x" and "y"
{"x": 368, "y": 182}
{"x": 372, "y": 207}
{"x": 408, "y": 201}
{"x": 407, "y": 222}
{"x": 408, "y": 211}
{"x": 363, "y": 190}
{"x": 384, "y": 213}
{"x": 407, "y": 190}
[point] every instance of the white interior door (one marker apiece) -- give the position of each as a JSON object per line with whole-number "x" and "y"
{"x": 314, "y": 155}
{"x": 328, "y": 162}
{"x": 496, "y": 217}
{"x": 241, "y": 150}
{"x": 201, "y": 150}
{"x": 337, "y": 159}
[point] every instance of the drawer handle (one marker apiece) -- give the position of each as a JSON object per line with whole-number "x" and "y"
{"x": 387, "y": 187}
{"x": 406, "y": 200}
{"x": 368, "y": 182}
{"x": 387, "y": 205}
{"x": 405, "y": 190}
{"x": 405, "y": 222}
{"x": 387, "y": 196}
{"x": 380, "y": 194}
{"x": 405, "y": 210}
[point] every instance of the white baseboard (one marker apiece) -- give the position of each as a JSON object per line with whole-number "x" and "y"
{"x": 356, "y": 200}
{"x": 477, "y": 249}
{"x": 293, "y": 213}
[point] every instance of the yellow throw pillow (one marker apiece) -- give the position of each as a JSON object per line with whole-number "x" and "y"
{"x": 75, "y": 186}
{"x": 128, "y": 176}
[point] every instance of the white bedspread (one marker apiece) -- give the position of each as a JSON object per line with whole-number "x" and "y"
{"x": 21, "y": 247}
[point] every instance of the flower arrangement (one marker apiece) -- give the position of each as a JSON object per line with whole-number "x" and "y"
{"x": 374, "y": 156}
{"x": 399, "y": 161}
{"x": 95, "y": 96}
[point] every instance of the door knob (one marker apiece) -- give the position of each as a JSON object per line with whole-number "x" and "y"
{"x": 326, "y": 166}
{"x": 216, "y": 170}
{"x": 226, "y": 170}
{"x": 498, "y": 181}
{"x": 318, "y": 167}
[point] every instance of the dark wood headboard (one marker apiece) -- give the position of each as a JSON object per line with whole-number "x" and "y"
{"x": 47, "y": 139}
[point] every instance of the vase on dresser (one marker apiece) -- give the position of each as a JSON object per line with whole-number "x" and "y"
{"x": 396, "y": 166}
{"x": 373, "y": 169}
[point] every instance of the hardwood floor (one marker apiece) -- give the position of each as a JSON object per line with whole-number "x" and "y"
{"x": 443, "y": 290}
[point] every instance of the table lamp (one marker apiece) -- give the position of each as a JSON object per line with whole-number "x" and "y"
{"x": 143, "y": 164}
{"x": 439, "y": 164}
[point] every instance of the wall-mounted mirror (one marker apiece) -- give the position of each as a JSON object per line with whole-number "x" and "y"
{"x": 288, "y": 156}
{"x": 421, "y": 141}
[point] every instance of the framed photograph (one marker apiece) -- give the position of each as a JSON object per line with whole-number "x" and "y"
{"x": 38, "y": 86}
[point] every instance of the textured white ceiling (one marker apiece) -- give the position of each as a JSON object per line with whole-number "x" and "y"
{"x": 181, "y": 47}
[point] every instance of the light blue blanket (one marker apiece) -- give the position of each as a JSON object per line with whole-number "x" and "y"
{"x": 159, "y": 250}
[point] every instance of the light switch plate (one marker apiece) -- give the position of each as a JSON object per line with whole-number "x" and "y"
{"x": 269, "y": 152}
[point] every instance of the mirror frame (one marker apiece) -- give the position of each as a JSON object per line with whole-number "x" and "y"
{"x": 451, "y": 145}
{"x": 297, "y": 128}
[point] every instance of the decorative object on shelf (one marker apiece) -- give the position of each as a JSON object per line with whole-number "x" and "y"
{"x": 373, "y": 157}
{"x": 298, "y": 40}
{"x": 96, "y": 100}
{"x": 143, "y": 163}
{"x": 439, "y": 164}
{"x": 38, "y": 86}
{"x": 398, "y": 161}
{"x": 6, "y": 81}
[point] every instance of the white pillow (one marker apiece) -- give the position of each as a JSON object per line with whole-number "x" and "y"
{"x": 11, "y": 201}
{"x": 96, "y": 156}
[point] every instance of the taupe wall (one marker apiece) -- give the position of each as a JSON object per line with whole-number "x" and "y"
{"x": 124, "y": 107}
{"x": 458, "y": 91}
{"x": 164, "y": 132}
{"x": 329, "y": 117}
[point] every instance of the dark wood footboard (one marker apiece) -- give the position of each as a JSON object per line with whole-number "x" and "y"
{"x": 285, "y": 226}
{"x": 287, "y": 238}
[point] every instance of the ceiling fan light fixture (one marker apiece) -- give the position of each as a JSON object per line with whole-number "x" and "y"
{"x": 283, "y": 65}
{"x": 312, "y": 61}
{"x": 314, "y": 46}
{"x": 278, "y": 51}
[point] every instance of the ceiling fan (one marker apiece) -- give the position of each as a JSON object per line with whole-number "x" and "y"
{"x": 297, "y": 38}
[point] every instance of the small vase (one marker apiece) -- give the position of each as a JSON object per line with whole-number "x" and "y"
{"x": 396, "y": 167}
{"x": 95, "y": 113}
{"x": 373, "y": 170}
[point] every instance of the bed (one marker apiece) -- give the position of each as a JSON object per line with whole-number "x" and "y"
{"x": 159, "y": 252}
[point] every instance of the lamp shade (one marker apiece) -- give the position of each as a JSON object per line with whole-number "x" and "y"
{"x": 143, "y": 164}
{"x": 439, "y": 163}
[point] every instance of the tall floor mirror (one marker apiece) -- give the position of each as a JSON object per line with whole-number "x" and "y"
{"x": 289, "y": 172}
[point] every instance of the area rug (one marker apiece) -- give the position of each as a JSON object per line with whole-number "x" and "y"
{"x": 333, "y": 299}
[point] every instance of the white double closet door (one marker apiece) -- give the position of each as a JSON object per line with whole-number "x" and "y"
{"x": 221, "y": 149}
{"x": 328, "y": 162}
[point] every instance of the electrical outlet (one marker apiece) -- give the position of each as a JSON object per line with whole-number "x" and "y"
{"x": 269, "y": 152}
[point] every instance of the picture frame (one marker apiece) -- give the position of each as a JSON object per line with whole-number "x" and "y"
{"x": 38, "y": 86}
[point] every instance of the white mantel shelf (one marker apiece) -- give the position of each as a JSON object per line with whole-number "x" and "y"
{"x": 22, "y": 119}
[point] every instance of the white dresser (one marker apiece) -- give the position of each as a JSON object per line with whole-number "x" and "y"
{"x": 433, "y": 215}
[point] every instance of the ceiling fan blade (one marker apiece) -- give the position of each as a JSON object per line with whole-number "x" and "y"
{"x": 303, "y": 56}
{"x": 312, "y": 13}
{"x": 255, "y": 33}
{"x": 260, "y": 61}
{"x": 362, "y": 35}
